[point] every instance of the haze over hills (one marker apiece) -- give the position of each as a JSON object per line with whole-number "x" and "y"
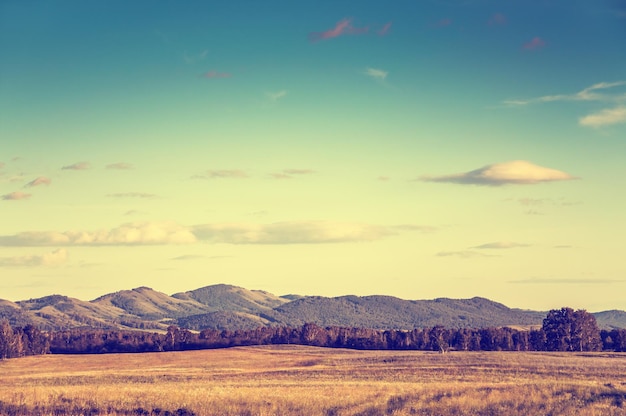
{"x": 231, "y": 307}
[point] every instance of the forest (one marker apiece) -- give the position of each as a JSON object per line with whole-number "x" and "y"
{"x": 563, "y": 330}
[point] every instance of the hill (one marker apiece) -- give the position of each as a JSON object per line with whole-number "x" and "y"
{"x": 230, "y": 307}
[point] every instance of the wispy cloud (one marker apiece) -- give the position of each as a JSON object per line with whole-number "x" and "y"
{"x": 275, "y": 96}
{"x": 296, "y": 232}
{"x": 120, "y": 166}
{"x": 588, "y": 94}
{"x": 198, "y": 257}
{"x": 160, "y": 233}
{"x": 41, "y": 180}
{"x": 16, "y": 196}
{"x": 384, "y": 178}
{"x": 500, "y": 245}
{"x": 385, "y": 29}
{"x": 215, "y": 74}
{"x": 443, "y": 22}
{"x": 290, "y": 173}
{"x": 343, "y": 27}
{"x": 142, "y": 195}
{"x": 604, "y": 117}
{"x": 78, "y": 166}
{"x": 464, "y": 254}
{"x": 497, "y": 19}
{"x": 517, "y": 172}
{"x": 222, "y": 174}
{"x": 197, "y": 57}
{"x": 534, "y": 43}
{"x": 53, "y": 258}
{"x": 551, "y": 281}
{"x": 136, "y": 233}
{"x": 378, "y": 74}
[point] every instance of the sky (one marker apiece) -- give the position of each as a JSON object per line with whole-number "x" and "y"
{"x": 418, "y": 149}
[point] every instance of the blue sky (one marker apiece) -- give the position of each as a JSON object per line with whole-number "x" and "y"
{"x": 417, "y": 148}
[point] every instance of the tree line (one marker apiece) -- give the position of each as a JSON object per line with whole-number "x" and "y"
{"x": 563, "y": 330}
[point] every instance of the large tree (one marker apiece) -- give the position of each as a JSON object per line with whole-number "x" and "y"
{"x": 569, "y": 330}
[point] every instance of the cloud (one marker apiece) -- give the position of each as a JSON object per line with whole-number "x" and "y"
{"x": 376, "y": 73}
{"x": 132, "y": 195}
{"x": 534, "y": 43}
{"x": 161, "y": 233}
{"x": 385, "y": 29}
{"x": 465, "y": 254}
{"x": 120, "y": 166}
{"x": 497, "y": 19}
{"x": 500, "y": 245}
{"x": 517, "y": 172}
{"x": 543, "y": 281}
{"x": 214, "y": 74}
{"x": 38, "y": 181}
{"x": 78, "y": 166}
{"x": 136, "y": 233}
{"x": 222, "y": 174}
{"x": 275, "y": 96}
{"x": 343, "y": 27}
{"x": 193, "y": 58}
{"x": 290, "y": 173}
{"x": 443, "y": 22}
{"x": 296, "y": 232}
{"x": 16, "y": 196}
{"x": 605, "y": 117}
{"x": 587, "y": 94}
{"x": 198, "y": 257}
{"x": 53, "y": 258}
{"x": 384, "y": 178}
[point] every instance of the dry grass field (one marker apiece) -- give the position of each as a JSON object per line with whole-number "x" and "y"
{"x": 297, "y": 380}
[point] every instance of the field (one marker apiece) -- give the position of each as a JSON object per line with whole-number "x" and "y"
{"x": 297, "y": 380}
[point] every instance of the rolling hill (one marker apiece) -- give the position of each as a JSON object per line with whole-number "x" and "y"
{"x": 231, "y": 307}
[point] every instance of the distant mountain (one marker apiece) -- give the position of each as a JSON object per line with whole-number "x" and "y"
{"x": 231, "y": 307}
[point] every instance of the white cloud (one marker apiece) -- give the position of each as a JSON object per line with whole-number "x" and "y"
{"x": 16, "y": 196}
{"x": 501, "y": 245}
{"x": 376, "y": 73}
{"x": 588, "y": 94}
{"x": 275, "y": 96}
{"x": 518, "y": 172}
{"x": 159, "y": 233}
{"x": 53, "y": 258}
{"x": 136, "y": 233}
{"x": 296, "y": 232}
{"x": 604, "y": 117}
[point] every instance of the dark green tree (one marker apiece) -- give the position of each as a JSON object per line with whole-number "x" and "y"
{"x": 569, "y": 330}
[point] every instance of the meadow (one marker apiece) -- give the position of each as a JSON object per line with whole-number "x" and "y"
{"x": 299, "y": 380}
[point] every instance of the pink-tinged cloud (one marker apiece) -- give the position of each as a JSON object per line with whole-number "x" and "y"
{"x": 343, "y": 27}
{"x": 38, "y": 181}
{"x": 444, "y": 22}
{"x": 120, "y": 166}
{"x": 54, "y": 258}
{"x": 77, "y": 166}
{"x": 384, "y": 30}
{"x": 215, "y": 74}
{"x": 535, "y": 43}
{"x": 15, "y": 196}
{"x": 498, "y": 19}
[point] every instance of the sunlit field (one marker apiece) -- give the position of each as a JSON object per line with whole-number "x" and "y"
{"x": 296, "y": 380}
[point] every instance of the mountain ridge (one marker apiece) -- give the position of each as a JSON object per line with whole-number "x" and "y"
{"x": 228, "y": 307}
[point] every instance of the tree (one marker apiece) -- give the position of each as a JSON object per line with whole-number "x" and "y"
{"x": 569, "y": 330}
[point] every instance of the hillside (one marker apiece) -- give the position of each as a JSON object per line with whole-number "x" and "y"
{"x": 231, "y": 307}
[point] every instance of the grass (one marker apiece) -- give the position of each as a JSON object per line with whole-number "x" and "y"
{"x": 297, "y": 380}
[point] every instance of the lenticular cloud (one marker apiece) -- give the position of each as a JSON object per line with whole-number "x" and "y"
{"x": 518, "y": 172}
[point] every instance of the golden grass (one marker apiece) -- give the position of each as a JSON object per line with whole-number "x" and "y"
{"x": 297, "y": 380}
